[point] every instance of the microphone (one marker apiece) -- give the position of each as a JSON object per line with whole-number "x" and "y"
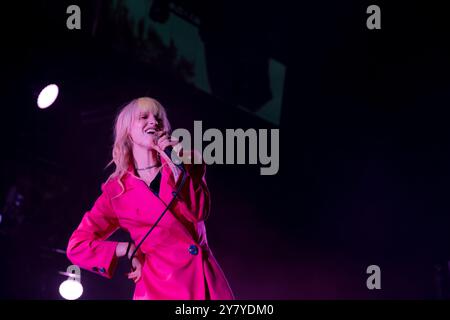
{"x": 174, "y": 157}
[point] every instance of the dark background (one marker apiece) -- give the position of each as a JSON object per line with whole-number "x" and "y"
{"x": 365, "y": 152}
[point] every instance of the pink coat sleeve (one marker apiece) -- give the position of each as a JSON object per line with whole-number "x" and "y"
{"x": 87, "y": 246}
{"x": 193, "y": 201}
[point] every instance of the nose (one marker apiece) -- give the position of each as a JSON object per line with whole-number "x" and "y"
{"x": 153, "y": 122}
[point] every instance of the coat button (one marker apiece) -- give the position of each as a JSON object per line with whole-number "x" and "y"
{"x": 102, "y": 270}
{"x": 193, "y": 249}
{"x": 95, "y": 269}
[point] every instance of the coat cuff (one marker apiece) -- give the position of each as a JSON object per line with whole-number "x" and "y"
{"x": 106, "y": 260}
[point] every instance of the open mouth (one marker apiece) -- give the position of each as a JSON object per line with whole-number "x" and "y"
{"x": 150, "y": 131}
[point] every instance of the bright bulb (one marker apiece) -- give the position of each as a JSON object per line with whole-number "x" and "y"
{"x": 71, "y": 289}
{"x": 47, "y": 96}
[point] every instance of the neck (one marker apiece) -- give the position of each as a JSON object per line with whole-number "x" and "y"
{"x": 144, "y": 158}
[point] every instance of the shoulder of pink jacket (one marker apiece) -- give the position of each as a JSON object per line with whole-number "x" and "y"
{"x": 112, "y": 187}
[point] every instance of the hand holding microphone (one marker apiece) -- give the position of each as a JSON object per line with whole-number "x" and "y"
{"x": 163, "y": 140}
{"x": 164, "y": 145}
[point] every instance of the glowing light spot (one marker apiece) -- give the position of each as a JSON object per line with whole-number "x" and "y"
{"x": 47, "y": 96}
{"x": 71, "y": 289}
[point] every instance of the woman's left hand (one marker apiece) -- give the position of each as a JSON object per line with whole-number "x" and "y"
{"x": 135, "y": 275}
{"x": 164, "y": 140}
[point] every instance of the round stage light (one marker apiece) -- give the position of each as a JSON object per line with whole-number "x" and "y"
{"x": 47, "y": 96}
{"x": 71, "y": 289}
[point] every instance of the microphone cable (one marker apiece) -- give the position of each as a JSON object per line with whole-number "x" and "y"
{"x": 174, "y": 196}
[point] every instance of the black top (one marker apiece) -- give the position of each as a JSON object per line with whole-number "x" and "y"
{"x": 155, "y": 184}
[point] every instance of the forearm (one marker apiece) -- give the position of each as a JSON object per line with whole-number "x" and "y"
{"x": 98, "y": 256}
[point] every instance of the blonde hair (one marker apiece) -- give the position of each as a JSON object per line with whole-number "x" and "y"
{"x": 122, "y": 153}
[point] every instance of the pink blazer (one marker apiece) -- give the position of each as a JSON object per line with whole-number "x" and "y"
{"x": 178, "y": 263}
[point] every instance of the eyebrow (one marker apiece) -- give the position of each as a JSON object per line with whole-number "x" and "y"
{"x": 146, "y": 112}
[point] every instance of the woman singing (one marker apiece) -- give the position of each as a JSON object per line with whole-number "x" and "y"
{"x": 174, "y": 261}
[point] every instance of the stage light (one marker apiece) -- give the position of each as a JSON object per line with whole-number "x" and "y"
{"x": 47, "y": 96}
{"x": 71, "y": 289}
